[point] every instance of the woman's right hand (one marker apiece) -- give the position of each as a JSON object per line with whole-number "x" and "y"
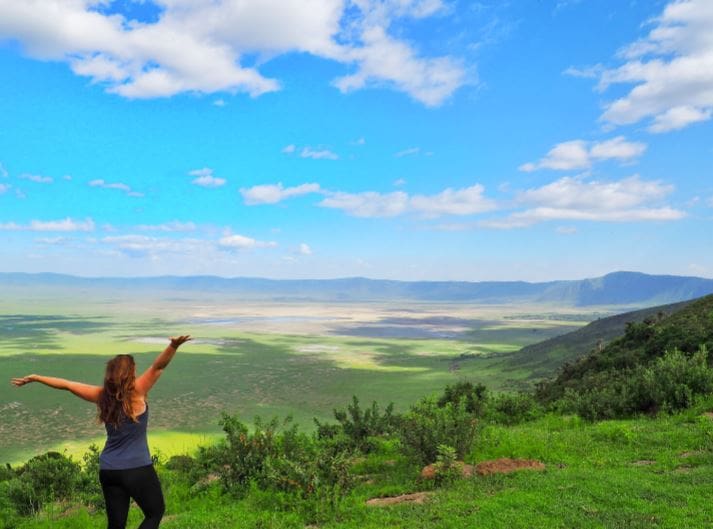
{"x": 177, "y": 342}
{"x": 22, "y": 381}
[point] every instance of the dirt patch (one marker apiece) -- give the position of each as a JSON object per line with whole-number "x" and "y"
{"x": 431, "y": 471}
{"x": 507, "y": 465}
{"x": 416, "y": 497}
{"x": 644, "y": 462}
{"x": 708, "y": 414}
{"x": 689, "y": 453}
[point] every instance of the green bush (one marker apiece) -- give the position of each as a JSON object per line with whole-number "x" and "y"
{"x": 512, "y": 408}
{"x": 475, "y": 396}
{"x": 670, "y": 383}
{"x": 44, "y": 478}
{"x": 428, "y": 425}
{"x": 89, "y": 486}
{"x": 356, "y": 427}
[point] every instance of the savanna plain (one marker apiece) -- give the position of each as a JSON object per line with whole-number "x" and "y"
{"x": 303, "y": 359}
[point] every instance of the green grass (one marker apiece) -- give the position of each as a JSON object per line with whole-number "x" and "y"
{"x": 643, "y": 473}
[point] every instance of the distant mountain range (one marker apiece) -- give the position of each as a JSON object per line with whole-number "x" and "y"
{"x": 618, "y": 288}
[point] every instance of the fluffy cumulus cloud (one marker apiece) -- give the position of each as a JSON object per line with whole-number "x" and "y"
{"x": 200, "y": 45}
{"x": 671, "y": 70}
{"x": 204, "y": 178}
{"x": 66, "y": 224}
{"x": 629, "y": 199}
{"x": 580, "y": 154}
{"x": 304, "y": 249}
{"x": 241, "y": 242}
{"x": 274, "y": 193}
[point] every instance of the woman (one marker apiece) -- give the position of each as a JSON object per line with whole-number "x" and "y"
{"x": 125, "y": 467}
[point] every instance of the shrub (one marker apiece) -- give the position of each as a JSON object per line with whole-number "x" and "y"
{"x": 181, "y": 463}
{"x": 428, "y": 425}
{"x": 356, "y": 426}
{"x": 447, "y": 469}
{"x": 44, "y": 478}
{"x": 475, "y": 396}
{"x": 512, "y": 408}
{"x": 669, "y": 383}
{"x": 89, "y": 486}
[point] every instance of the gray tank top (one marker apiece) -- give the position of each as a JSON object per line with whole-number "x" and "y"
{"x": 126, "y": 446}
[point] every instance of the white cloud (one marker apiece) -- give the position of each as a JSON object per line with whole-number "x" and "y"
{"x": 39, "y": 179}
{"x": 385, "y": 59}
{"x": 115, "y": 185}
{"x": 3, "y": 171}
{"x": 304, "y": 249}
{"x": 52, "y": 241}
{"x": 172, "y": 226}
{"x": 671, "y": 68}
{"x": 408, "y": 152}
{"x": 629, "y": 199}
{"x": 67, "y": 224}
{"x": 197, "y": 45}
{"x": 289, "y": 149}
{"x": 219, "y": 103}
{"x": 4, "y": 188}
{"x": 67, "y": 177}
{"x": 467, "y": 201}
{"x": 368, "y": 204}
{"x": 143, "y": 246}
{"x": 360, "y": 141}
{"x": 205, "y": 178}
{"x": 580, "y": 154}
{"x": 274, "y": 193}
{"x": 566, "y": 230}
{"x": 590, "y": 72}
{"x": 399, "y": 182}
{"x": 318, "y": 154}
{"x": 242, "y": 242}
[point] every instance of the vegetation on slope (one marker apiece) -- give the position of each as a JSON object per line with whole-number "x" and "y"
{"x": 661, "y": 362}
{"x": 544, "y": 357}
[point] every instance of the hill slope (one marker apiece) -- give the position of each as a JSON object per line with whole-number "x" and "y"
{"x": 686, "y": 330}
{"x": 543, "y": 358}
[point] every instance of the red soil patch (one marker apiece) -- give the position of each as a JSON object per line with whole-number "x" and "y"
{"x": 430, "y": 471}
{"x": 507, "y": 465}
{"x": 416, "y": 497}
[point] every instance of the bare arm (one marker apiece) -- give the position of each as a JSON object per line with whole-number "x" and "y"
{"x": 146, "y": 381}
{"x": 83, "y": 391}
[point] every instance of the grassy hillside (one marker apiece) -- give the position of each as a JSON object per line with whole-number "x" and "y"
{"x": 544, "y": 357}
{"x": 685, "y": 330}
{"x": 635, "y": 474}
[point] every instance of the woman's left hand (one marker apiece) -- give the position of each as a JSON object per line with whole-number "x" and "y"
{"x": 22, "y": 381}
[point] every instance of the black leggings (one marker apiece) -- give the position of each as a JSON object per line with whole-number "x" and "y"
{"x": 141, "y": 484}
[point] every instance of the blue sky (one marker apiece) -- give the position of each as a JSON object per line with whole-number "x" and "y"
{"x": 405, "y": 139}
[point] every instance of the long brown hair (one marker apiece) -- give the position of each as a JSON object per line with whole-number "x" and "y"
{"x": 117, "y": 395}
